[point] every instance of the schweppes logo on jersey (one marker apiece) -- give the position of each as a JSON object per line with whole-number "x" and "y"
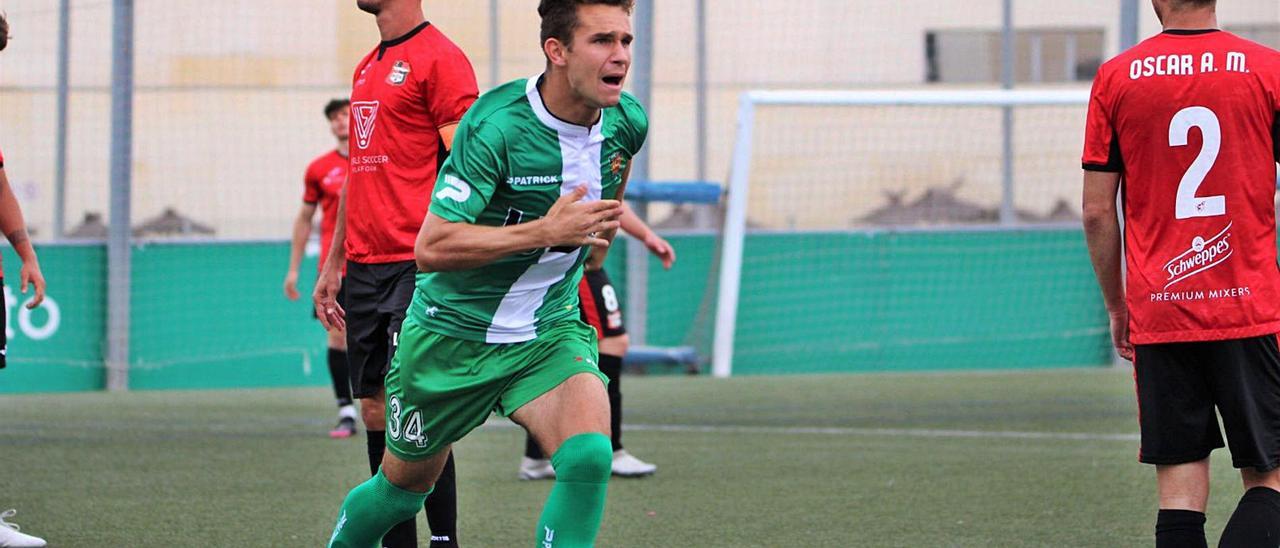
{"x": 399, "y": 73}
{"x": 363, "y": 113}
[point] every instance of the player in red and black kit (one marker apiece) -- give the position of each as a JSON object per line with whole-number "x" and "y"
{"x": 407, "y": 98}
{"x": 322, "y": 185}
{"x": 1186, "y": 125}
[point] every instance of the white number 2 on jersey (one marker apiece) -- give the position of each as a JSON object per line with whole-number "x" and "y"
{"x": 454, "y": 189}
{"x": 1189, "y": 205}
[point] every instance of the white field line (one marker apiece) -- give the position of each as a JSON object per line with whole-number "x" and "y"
{"x": 888, "y": 432}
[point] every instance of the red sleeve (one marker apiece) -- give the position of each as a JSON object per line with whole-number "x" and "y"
{"x": 1101, "y": 145}
{"x": 450, "y": 88}
{"x": 311, "y": 185}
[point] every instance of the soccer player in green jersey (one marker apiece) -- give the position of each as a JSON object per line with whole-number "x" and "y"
{"x": 535, "y": 176}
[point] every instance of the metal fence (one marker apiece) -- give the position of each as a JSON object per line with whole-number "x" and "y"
{"x": 119, "y": 116}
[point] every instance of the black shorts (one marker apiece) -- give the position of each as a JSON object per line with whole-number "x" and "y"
{"x": 342, "y": 298}
{"x": 599, "y": 305}
{"x": 1180, "y": 385}
{"x": 377, "y": 297}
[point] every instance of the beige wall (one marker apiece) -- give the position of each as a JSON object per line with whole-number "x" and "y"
{"x": 228, "y": 108}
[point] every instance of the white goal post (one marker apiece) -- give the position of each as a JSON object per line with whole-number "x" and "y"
{"x": 735, "y": 221}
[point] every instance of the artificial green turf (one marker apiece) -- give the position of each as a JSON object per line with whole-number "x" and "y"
{"x": 902, "y": 461}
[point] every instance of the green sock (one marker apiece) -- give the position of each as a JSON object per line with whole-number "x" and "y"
{"x": 571, "y": 517}
{"x": 371, "y": 509}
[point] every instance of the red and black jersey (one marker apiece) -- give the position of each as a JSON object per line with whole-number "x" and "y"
{"x": 402, "y": 93}
{"x": 1191, "y": 119}
{"x": 322, "y": 186}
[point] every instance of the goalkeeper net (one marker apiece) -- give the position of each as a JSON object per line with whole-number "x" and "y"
{"x": 889, "y": 230}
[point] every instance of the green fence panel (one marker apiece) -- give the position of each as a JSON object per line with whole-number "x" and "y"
{"x": 214, "y": 315}
{"x": 59, "y": 346}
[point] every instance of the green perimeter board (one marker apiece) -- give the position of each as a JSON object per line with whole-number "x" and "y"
{"x": 59, "y": 346}
{"x": 212, "y": 315}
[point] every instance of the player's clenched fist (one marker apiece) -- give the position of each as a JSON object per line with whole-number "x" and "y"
{"x": 571, "y": 222}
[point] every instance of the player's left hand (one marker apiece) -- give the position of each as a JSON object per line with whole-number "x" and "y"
{"x": 325, "y": 298}
{"x": 1120, "y": 334}
{"x": 661, "y": 249}
{"x": 31, "y": 276}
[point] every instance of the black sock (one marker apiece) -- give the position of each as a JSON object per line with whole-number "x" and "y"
{"x": 611, "y": 366}
{"x": 405, "y": 533}
{"x": 442, "y": 508}
{"x": 1256, "y": 521}
{"x": 531, "y": 448}
{"x": 1180, "y": 529}
{"x": 338, "y": 373}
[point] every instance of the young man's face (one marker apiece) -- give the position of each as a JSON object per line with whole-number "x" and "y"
{"x": 600, "y": 54}
{"x": 340, "y": 123}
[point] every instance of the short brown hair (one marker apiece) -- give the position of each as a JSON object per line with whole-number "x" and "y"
{"x": 4, "y": 32}
{"x": 333, "y": 106}
{"x": 560, "y": 17}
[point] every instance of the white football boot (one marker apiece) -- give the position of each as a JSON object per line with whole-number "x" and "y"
{"x": 11, "y": 538}
{"x": 536, "y": 469}
{"x": 628, "y": 466}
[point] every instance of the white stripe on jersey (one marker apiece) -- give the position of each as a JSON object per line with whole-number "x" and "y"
{"x": 516, "y": 316}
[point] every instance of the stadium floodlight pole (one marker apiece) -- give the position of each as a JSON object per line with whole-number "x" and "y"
{"x": 637, "y": 254}
{"x": 118, "y": 252}
{"x": 1008, "y": 43}
{"x": 495, "y": 45}
{"x": 1128, "y": 24}
{"x": 60, "y": 139}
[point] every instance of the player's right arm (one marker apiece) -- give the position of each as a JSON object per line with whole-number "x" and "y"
{"x": 330, "y": 280}
{"x": 443, "y": 245}
{"x": 450, "y": 238}
{"x": 15, "y": 230}
{"x": 1103, "y": 169}
{"x": 1102, "y": 232}
{"x": 297, "y": 244}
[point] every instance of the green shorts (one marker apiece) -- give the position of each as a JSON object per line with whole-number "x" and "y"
{"x": 439, "y": 388}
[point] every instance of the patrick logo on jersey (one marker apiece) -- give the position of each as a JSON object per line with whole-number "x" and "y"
{"x": 1203, "y": 255}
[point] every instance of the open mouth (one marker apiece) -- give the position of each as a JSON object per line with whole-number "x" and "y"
{"x": 613, "y": 80}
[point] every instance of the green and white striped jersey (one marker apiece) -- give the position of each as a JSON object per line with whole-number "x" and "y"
{"x": 511, "y": 160}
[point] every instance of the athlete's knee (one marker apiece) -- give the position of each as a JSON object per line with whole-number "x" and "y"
{"x": 373, "y": 411}
{"x": 585, "y": 458}
{"x": 1253, "y": 478}
{"x": 338, "y": 339}
{"x": 616, "y": 345}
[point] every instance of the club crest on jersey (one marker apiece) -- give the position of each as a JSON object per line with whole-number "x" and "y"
{"x": 1201, "y": 256}
{"x": 399, "y": 73}
{"x": 363, "y": 113}
{"x": 615, "y": 163}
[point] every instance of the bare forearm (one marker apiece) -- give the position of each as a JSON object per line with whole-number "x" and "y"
{"x": 12, "y": 223}
{"x": 301, "y": 230}
{"x": 632, "y": 224}
{"x": 338, "y": 249}
{"x": 461, "y": 246}
{"x": 1102, "y": 232}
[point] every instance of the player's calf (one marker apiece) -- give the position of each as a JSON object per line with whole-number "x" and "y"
{"x": 1256, "y": 520}
{"x": 572, "y": 515}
